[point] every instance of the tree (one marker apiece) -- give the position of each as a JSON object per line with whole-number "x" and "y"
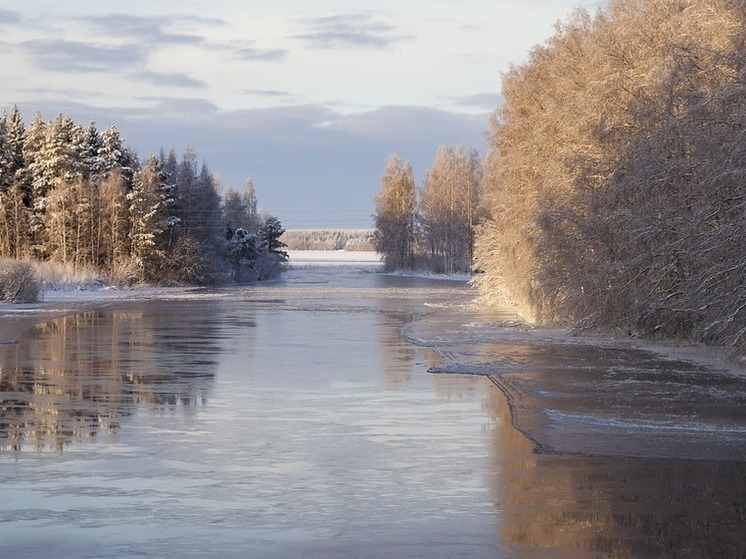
{"x": 240, "y": 209}
{"x": 114, "y": 224}
{"x": 449, "y": 208}
{"x": 114, "y": 155}
{"x": 92, "y": 164}
{"x": 243, "y": 250}
{"x": 196, "y": 242}
{"x": 145, "y": 204}
{"x": 394, "y": 236}
{"x": 13, "y": 190}
{"x": 270, "y": 233}
{"x": 612, "y": 180}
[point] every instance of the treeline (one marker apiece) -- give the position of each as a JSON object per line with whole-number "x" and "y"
{"x": 616, "y": 177}
{"x": 76, "y": 195}
{"x": 329, "y": 239}
{"x": 431, "y": 228}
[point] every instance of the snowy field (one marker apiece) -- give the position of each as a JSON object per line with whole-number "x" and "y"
{"x": 333, "y": 257}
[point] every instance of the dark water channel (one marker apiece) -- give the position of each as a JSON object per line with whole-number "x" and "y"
{"x": 293, "y": 420}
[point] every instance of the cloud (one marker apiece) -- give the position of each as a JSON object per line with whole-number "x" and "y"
{"x": 169, "y": 80}
{"x": 182, "y": 107}
{"x": 484, "y": 101}
{"x": 250, "y": 53}
{"x": 157, "y": 31}
{"x": 7, "y": 17}
{"x": 73, "y": 56}
{"x": 274, "y": 93}
{"x": 359, "y": 30}
{"x": 147, "y": 29}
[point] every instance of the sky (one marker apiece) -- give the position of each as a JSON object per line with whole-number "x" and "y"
{"x": 308, "y": 98}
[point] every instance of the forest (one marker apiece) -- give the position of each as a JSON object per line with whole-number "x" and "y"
{"x": 75, "y": 195}
{"x": 614, "y": 185}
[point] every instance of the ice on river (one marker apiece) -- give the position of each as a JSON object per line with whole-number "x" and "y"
{"x": 590, "y": 396}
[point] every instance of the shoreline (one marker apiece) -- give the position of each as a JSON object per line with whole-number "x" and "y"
{"x": 597, "y": 395}
{"x": 61, "y": 302}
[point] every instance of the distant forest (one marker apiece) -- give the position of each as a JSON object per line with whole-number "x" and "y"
{"x": 613, "y": 193}
{"x": 329, "y": 239}
{"x": 76, "y": 195}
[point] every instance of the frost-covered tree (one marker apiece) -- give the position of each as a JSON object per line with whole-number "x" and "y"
{"x": 240, "y": 209}
{"x": 394, "y": 236}
{"x": 14, "y": 192}
{"x": 198, "y": 240}
{"x": 449, "y": 208}
{"x": 114, "y": 155}
{"x": 243, "y": 251}
{"x": 114, "y": 227}
{"x": 614, "y": 178}
{"x": 91, "y": 162}
{"x": 145, "y": 205}
{"x": 270, "y": 233}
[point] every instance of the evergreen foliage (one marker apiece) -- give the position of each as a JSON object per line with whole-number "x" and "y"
{"x": 74, "y": 195}
{"x": 270, "y": 233}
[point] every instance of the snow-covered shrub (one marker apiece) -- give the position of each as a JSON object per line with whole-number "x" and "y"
{"x": 18, "y": 282}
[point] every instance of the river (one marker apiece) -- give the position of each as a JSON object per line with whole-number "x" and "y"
{"x": 344, "y": 413}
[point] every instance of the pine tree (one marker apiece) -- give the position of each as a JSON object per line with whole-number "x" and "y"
{"x": 36, "y": 191}
{"x": 92, "y": 164}
{"x": 270, "y": 233}
{"x": 114, "y": 155}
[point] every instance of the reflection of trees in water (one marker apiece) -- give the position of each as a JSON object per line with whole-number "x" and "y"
{"x": 616, "y": 508}
{"x": 397, "y": 356}
{"x": 76, "y": 377}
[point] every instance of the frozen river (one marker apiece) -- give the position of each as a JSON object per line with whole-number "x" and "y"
{"x": 299, "y": 419}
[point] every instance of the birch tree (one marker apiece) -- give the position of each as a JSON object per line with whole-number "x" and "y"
{"x": 449, "y": 208}
{"x": 394, "y": 236}
{"x": 614, "y": 170}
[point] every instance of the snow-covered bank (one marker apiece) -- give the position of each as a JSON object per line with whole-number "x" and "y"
{"x": 431, "y": 275}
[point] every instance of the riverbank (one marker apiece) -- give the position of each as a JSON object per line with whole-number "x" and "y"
{"x": 596, "y": 395}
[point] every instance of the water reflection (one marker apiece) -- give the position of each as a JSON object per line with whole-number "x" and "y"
{"x": 76, "y": 377}
{"x": 571, "y": 507}
{"x": 324, "y": 437}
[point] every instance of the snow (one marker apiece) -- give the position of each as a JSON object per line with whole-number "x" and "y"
{"x": 333, "y": 257}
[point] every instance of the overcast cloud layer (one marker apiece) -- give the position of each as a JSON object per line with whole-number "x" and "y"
{"x": 307, "y": 98}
